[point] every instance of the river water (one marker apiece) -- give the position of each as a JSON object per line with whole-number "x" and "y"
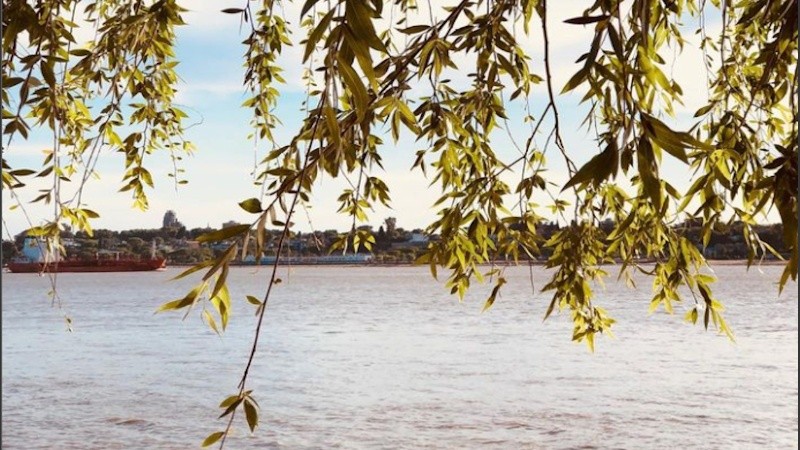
{"x": 384, "y": 358}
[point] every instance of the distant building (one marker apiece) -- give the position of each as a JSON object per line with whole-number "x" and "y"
{"x": 415, "y": 240}
{"x": 190, "y": 244}
{"x": 184, "y": 243}
{"x": 171, "y": 220}
{"x": 230, "y": 223}
{"x": 418, "y": 238}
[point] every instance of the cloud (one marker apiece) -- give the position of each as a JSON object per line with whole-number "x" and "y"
{"x": 36, "y": 146}
{"x": 208, "y": 26}
{"x": 193, "y": 93}
{"x": 205, "y": 18}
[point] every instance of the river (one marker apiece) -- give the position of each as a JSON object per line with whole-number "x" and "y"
{"x": 385, "y": 358}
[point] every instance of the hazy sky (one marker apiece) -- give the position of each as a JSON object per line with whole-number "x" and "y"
{"x": 219, "y": 173}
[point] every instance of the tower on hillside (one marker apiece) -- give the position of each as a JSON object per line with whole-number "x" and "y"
{"x": 170, "y": 220}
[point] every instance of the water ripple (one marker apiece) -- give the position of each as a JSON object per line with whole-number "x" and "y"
{"x": 383, "y": 358}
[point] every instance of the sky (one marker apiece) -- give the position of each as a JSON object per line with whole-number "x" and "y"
{"x": 219, "y": 173}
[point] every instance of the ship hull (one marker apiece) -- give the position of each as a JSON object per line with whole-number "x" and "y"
{"x": 88, "y": 266}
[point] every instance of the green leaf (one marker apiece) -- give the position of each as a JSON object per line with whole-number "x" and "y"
{"x": 406, "y": 115}
{"x": 251, "y": 205}
{"x": 316, "y": 34}
{"x": 616, "y": 44}
{"x": 212, "y": 438}
{"x": 550, "y": 308}
{"x": 584, "y": 20}
{"x": 251, "y": 413}
{"x": 415, "y": 29}
{"x": 80, "y": 52}
{"x": 704, "y": 110}
{"x": 648, "y": 171}
{"x": 91, "y": 214}
{"x": 359, "y": 21}
{"x": 228, "y": 401}
{"x": 356, "y": 87}
{"x": 576, "y": 80}
{"x": 307, "y": 7}
{"x": 334, "y": 134}
{"x": 222, "y": 302}
{"x": 188, "y": 300}
{"x": 225, "y": 233}
{"x": 210, "y": 320}
{"x": 221, "y": 262}
{"x": 674, "y": 142}
{"x": 230, "y": 407}
{"x": 600, "y": 167}
{"x": 196, "y": 268}
{"x": 47, "y": 73}
{"x": 493, "y": 296}
{"x": 790, "y": 271}
{"x": 175, "y": 304}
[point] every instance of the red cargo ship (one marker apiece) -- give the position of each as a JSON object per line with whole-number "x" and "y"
{"x": 96, "y": 265}
{"x": 35, "y": 261}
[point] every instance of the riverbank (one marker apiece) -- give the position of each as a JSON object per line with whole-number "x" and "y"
{"x": 711, "y": 262}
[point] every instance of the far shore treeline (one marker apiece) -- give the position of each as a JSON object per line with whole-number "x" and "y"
{"x": 393, "y": 244}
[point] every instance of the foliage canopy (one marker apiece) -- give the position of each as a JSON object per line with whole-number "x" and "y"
{"x": 376, "y": 65}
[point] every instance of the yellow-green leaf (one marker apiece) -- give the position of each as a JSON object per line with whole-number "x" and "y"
{"x": 251, "y": 205}
{"x": 225, "y": 233}
{"x": 251, "y": 413}
{"x": 212, "y": 438}
{"x": 356, "y": 87}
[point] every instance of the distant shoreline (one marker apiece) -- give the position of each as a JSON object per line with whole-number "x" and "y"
{"x": 711, "y": 262}
{"x": 743, "y": 262}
